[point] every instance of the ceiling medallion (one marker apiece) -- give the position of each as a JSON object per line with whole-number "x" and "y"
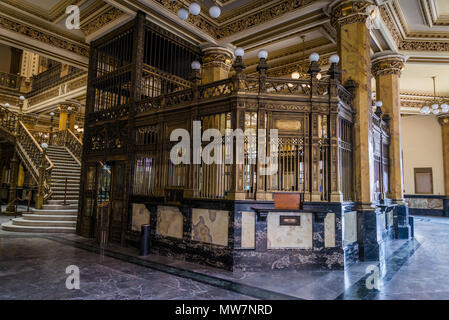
{"x": 436, "y": 107}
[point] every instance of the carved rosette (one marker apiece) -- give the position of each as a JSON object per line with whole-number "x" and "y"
{"x": 216, "y": 57}
{"x": 352, "y": 11}
{"x": 387, "y": 64}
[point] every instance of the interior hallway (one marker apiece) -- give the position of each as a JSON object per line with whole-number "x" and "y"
{"x": 32, "y": 266}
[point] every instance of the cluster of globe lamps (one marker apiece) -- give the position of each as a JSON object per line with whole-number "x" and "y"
{"x": 195, "y": 9}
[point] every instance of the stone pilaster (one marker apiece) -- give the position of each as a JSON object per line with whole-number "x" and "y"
{"x": 217, "y": 63}
{"x": 444, "y": 121}
{"x": 352, "y": 20}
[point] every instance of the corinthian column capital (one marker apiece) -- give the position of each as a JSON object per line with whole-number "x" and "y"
{"x": 352, "y": 11}
{"x": 218, "y": 57}
{"x": 387, "y": 63}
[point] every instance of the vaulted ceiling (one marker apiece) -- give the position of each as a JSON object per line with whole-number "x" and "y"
{"x": 417, "y": 28}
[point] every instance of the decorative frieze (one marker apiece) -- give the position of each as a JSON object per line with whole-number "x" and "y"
{"x": 100, "y": 21}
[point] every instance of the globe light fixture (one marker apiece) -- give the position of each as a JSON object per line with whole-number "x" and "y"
{"x": 319, "y": 76}
{"x": 44, "y": 145}
{"x": 196, "y": 65}
{"x": 214, "y": 11}
{"x": 335, "y": 58}
{"x": 314, "y": 57}
{"x": 435, "y": 108}
{"x": 22, "y": 98}
{"x": 52, "y": 114}
{"x": 194, "y": 8}
{"x": 7, "y": 105}
{"x": 239, "y": 52}
{"x": 262, "y": 54}
{"x": 183, "y": 14}
{"x": 379, "y": 104}
{"x": 296, "y": 75}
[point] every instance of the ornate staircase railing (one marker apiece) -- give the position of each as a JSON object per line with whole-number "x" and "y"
{"x": 35, "y": 159}
{"x": 74, "y": 145}
{"x": 8, "y": 120}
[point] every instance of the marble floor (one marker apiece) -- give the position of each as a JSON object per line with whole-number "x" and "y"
{"x": 32, "y": 266}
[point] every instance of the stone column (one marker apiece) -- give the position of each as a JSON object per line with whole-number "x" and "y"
{"x": 352, "y": 20}
{"x": 217, "y": 63}
{"x": 444, "y": 121}
{"x": 387, "y": 68}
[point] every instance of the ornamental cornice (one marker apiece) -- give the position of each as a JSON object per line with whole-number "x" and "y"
{"x": 100, "y": 21}
{"x": 43, "y": 36}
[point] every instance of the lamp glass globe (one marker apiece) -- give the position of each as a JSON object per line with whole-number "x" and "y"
{"x": 239, "y": 52}
{"x": 295, "y": 75}
{"x": 262, "y": 54}
{"x": 183, "y": 14}
{"x": 335, "y": 58}
{"x": 314, "y": 57}
{"x": 214, "y": 11}
{"x": 196, "y": 65}
{"x": 194, "y": 8}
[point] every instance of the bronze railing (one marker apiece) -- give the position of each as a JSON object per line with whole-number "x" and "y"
{"x": 73, "y": 144}
{"x": 9, "y": 81}
{"x": 32, "y": 155}
{"x": 8, "y": 120}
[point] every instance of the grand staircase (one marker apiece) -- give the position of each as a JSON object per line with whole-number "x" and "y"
{"x": 61, "y": 181}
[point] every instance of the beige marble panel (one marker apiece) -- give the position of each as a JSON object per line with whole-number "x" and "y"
{"x": 329, "y": 230}
{"x": 350, "y": 227}
{"x": 141, "y": 215}
{"x": 169, "y": 222}
{"x": 281, "y": 237}
{"x": 248, "y": 230}
{"x": 210, "y": 226}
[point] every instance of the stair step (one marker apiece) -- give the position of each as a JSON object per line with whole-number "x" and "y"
{"x": 9, "y": 226}
{"x": 56, "y": 201}
{"x": 61, "y": 198}
{"x": 59, "y": 206}
{"x": 43, "y": 223}
{"x": 49, "y": 217}
{"x": 66, "y": 211}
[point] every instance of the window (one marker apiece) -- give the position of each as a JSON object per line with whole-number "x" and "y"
{"x": 423, "y": 181}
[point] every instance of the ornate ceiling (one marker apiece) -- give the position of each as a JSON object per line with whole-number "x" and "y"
{"x": 417, "y": 28}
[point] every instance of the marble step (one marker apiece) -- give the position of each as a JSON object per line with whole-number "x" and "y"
{"x": 9, "y": 226}
{"x": 65, "y": 211}
{"x": 43, "y": 223}
{"x": 56, "y": 201}
{"x": 61, "y": 198}
{"x": 60, "y": 206}
{"x": 47, "y": 217}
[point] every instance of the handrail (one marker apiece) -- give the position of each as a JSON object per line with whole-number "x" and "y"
{"x": 31, "y": 153}
{"x": 74, "y": 145}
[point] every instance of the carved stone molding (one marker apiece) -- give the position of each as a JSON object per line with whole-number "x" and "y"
{"x": 386, "y": 64}
{"x": 100, "y": 21}
{"x": 44, "y": 37}
{"x": 352, "y": 11}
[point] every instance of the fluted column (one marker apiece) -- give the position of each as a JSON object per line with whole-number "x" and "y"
{"x": 444, "y": 121}
{"x": 217, "y": 63}
{"x": 387, "y": 68}
{"x": 352, "y": 20}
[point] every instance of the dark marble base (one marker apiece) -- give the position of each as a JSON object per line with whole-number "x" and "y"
{"x": 289, "y": 259}
{"x": 403, "y": 226}
{"x": 427, "y": 212}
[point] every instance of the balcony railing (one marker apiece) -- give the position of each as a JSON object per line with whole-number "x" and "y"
{"x": 9, "y": 81}
{"x": 52, "y": 77}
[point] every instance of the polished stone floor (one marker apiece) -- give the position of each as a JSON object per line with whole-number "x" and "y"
{"x": 32, "y": 266}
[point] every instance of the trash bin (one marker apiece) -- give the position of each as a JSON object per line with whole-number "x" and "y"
{"x": 145, "y": 240}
